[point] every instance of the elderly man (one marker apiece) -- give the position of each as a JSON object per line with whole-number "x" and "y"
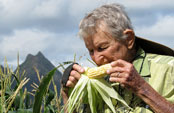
{"x": 143, "y": 69}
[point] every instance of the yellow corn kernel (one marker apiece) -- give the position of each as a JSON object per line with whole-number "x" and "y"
{"x": 97, "y": 72}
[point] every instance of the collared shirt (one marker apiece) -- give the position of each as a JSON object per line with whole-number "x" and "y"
{"x": 158, "y": 71}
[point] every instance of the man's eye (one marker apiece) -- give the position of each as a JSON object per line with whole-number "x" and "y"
{"x": 91, "y": 52}
{"x": 101, "y": 48}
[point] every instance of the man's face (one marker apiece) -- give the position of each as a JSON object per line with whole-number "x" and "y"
{"x": 105, "y": 49}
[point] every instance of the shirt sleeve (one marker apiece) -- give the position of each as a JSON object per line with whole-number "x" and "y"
{"x": 162, "y": 80}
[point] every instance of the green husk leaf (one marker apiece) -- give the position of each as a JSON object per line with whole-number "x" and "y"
{"x": 77, "y": 93}
{"x": 105, "y": 96}
{"x": 91, "y": 97}
{"x": 96, "y": 91}
{"x": 105, "y": 87}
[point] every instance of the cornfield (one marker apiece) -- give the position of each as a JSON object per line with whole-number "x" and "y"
{"x": 16, "y": 99}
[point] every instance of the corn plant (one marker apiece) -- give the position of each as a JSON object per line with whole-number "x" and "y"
{"x": 45, "y": 99}
{"x": 12, "y": 99}
{"x": 16, "y": 99}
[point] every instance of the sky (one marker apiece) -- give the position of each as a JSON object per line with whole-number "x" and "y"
{"x": 51, "y": 26}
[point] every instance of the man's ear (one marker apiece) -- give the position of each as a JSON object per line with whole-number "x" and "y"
{"x": 130, "y": 38}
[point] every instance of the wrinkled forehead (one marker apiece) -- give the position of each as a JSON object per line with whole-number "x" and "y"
{"x": 99, "y": 27}
{"x": 99, "y": 36}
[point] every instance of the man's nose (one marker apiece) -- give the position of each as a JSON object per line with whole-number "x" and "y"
{"x": 98, "y": 58}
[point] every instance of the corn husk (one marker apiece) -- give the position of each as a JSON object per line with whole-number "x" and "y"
{"x": 93, "y": 91}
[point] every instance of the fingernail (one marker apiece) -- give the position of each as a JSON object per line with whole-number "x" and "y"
{"x": 82, "y": 70}
{"x": 107, "y": 71}
{"x": 112, "y": 63}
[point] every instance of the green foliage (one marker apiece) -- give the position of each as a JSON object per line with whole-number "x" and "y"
{"x": 50, "y": 97}
{"x": 96, "y": 91}
{"x": 42, "y": 90}
{"x": 15, "y": 99}
{"x": 11, "y": 99}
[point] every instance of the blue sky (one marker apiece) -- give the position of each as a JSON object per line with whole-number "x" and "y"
{"x": 51, "y": 26}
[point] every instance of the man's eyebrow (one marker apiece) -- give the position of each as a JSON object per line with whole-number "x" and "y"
{"x": 101, "y": 43}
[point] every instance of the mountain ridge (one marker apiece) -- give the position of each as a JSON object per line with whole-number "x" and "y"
{"x": 43, "y": 65}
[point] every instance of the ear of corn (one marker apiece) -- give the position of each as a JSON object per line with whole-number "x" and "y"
{"x": 97, "y": 72}
{"x": 94, "y": 90}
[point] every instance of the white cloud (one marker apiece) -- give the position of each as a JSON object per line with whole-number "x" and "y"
{"x": 30, "y": 9}
{"x": 49, "y": 25}
{"x": 19, "y": 14}
{"x": 56, "y": 47}
{"x": 146, "y": 4}
{"x": 16, "y": 8}
{"x": 81, "y": 7}
{"x": 162, "y": 28}
{"x": 24, "y": 42}
{"x": 161, "y": 31}
{"x": 64, "y": 46}
{"x": 48, "y": 9}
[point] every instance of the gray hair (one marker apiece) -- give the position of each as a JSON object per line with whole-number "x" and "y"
{"x": 113, "y": 15}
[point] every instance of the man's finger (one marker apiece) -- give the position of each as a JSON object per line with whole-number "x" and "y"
{"x": 70, "y": 84}
{"x": 119, "y": 62}
{"x": 75, "y": 74}
{"x": 78, "y": 68}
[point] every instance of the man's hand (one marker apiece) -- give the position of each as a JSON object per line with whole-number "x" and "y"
{"x": 75, "y": 75}
{"x": 124, "y": 73}
{"x": 73, "y": 78}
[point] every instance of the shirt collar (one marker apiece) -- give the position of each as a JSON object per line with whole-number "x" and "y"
{"x": 141, "y": 63}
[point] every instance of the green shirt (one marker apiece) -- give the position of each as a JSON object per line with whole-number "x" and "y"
{"x": 158, "y": 71}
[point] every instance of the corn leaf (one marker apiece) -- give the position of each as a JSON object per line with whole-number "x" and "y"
{"x": 91, "y": 97}
{"x": 105, "y": 96}
{"x": 105, "y": 87}
{"x": 77, "y": 93}
{"x": 41, "y": 91}
{"x": 98, "y": 91}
